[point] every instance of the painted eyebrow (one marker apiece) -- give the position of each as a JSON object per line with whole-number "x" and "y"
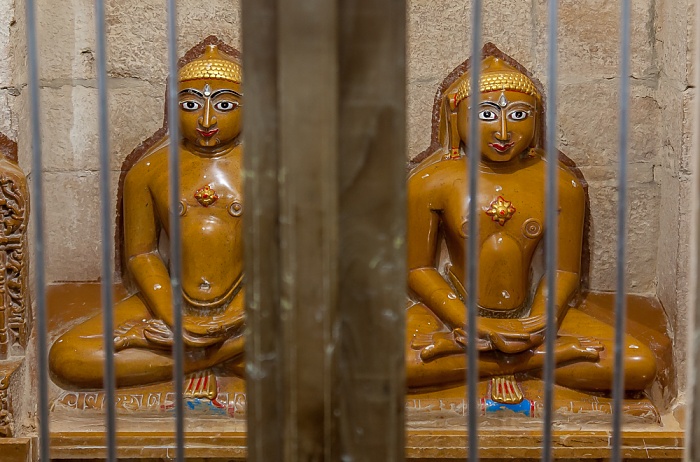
{"x": 225, "y": 91}
{"x": 490, "y": 104}
{"x": 192, "y": 91}
{"x": 522, "y": 103}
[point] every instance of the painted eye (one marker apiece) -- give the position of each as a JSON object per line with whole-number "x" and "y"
{"x": 190, "y": 105}
{"x": 518, "y": 115}
{"x": 226, "y": 106}
{"x": 487, "y": 115}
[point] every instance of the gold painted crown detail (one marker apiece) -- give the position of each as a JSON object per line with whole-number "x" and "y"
{"x": 213, "y": 65}
{"x": 496, "y": 75}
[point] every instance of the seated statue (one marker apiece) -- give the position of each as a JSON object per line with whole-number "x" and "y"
{"x": 210, "y": 207}
{"x": 511, "y": 288}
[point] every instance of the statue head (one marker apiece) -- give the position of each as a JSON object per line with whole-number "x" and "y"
{"x": 508, "y": 105}
{"x": 210, "y": 100}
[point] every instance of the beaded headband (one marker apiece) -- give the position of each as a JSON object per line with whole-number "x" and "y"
{"x": 213, "y": 65}
{"x": 496, "y": 75}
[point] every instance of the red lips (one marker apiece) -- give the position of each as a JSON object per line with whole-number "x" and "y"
{"x": 209, "y": 133}
{"x": 501, "y": 147}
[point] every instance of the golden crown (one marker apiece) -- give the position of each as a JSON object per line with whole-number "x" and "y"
{"x": 496, "y": 75}
{"x": 212, "y": 65}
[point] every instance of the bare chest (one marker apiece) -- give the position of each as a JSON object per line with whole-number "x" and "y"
{"x": 512, "y": 205}
{"x": 208, "y": 189}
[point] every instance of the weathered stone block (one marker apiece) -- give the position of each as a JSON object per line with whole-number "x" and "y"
{"x": 66, "y": 38}
{"x": 7, "y": 12}
{"x": 672, "y": 33}
{"x": 73, "y": 225}
{"x": 137, "y": 33}
{"x": 642, "y": 223}
{"x": 70, "y": 140}
{"x": 438, "y": 33}
{"x": 589, "y": 40}
{"x": 419, "y": 111}
{"x": 588, "y": 123}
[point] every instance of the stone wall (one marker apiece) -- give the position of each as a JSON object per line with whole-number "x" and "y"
{"x": 438, "y": 41}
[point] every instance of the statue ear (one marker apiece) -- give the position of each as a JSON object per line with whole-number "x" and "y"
{"x": 538, "y": 139}
{"x": 453, "y": 138}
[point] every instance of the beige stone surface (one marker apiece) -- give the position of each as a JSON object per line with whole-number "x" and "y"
{"x": 137, "y": 33}
{"x": 69, "y": 124}
{"x": 643, "y": 222}
{"x": 66, "y": 36}
{"x": 73, "y": 242}
{"x": 588, "y": 115}
{"x": 7, "y": 13}
{"x": 9, "y": 123}
{"x": 589, "y": 40}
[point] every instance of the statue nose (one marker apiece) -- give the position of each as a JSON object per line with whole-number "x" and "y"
{"x": 503, "y": 135}
{"x": 207, "y": 119}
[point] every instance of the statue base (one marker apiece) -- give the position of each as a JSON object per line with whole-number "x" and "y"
{"x": 436, "y": 420}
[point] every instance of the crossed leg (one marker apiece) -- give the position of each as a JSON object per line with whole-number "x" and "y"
{"x": 583, "y": 362}
{"x": 77, "y": 357}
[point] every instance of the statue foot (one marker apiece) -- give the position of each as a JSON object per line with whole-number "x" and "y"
{"x": 578, "y": 349}
{"x": 505, "y": 389}
{"x": 437, "y": 345}
{"x": 201, "y": 384}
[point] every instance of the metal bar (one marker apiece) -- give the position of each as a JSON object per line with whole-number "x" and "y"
{"x": 552, "y": 233}
{"x": 37, "y": 194}
{"x": 620, "y": 299}
{"x": 175, "y": 232}
{"x": 692, "y": 452}
{"x": 473, "y": 157}
{"x": 106, "y": 210}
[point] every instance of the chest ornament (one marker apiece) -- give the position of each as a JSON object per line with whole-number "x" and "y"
{"x": 500, "y": 210}
{"x": 206, "y": 196}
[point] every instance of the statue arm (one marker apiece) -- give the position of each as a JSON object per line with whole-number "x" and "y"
{"x": 570, "y": 244}
{"x": 141, "y": 244}
{"x": 424, "y": 280}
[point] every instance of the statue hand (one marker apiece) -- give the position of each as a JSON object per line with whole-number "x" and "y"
{"x": 512, "y": 335}
{"x": 133, "y": 334}
{"x": 216, "y": 325}
{"x": 482, "y": 344}
{"x": 159, "y": 334}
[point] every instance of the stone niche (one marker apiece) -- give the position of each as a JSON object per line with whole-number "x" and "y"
{"x": 438, "y": 41}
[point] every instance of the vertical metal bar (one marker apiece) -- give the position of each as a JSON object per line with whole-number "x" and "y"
{"x": 620, "y": 299}
{"x": 692, "y": 452}
{"x": 551, "y": 226}
{"x": 106, "y": 210}
{"x": 175, "y": 233}
{"x": 37, "y": 194}
{"x": 473, "y": 157}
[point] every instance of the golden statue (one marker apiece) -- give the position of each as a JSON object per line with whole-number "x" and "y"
{"x": 210, "y": 207}
{"x": 511, "y": 287}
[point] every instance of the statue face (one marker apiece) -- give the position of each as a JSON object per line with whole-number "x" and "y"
{"x": 210, "y": 112}
{"x": 506, "y": 124}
